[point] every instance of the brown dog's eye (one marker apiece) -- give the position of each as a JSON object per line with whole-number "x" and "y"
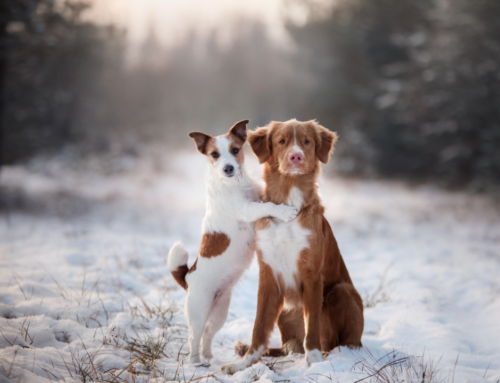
{"x": 282, "y": 141}
{"x": 306, "y": 142}
{"x": 215, "y": 155}
{"x": 235, "y": 151}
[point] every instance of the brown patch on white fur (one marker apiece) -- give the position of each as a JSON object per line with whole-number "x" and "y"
{"x": 239, "y": 130}
{"x": 236, "y": 143}
{"x": 210, "y": 149}
{"x": 193, "y": 268}
{"x": 201, "y": 140}
{"x": 331, "y": 311}
{"x": 180, "y": 276}
{"x": 237, "y": 136}
{"x": 214, "y": 244}
{"x": 262, "y": 224}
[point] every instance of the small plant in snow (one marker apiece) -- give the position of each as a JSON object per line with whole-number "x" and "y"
{"x": 379, "y": 295}
{"x": 396, "y": 367}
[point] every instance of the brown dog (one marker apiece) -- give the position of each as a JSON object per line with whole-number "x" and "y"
{"x": 304, "y": 284}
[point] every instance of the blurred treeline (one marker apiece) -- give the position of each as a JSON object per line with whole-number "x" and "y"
{"x": 412, "y": 87}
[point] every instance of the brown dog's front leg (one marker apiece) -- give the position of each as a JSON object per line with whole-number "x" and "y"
{"x": 312, "y": 300}
{"x": 269, "y": 304}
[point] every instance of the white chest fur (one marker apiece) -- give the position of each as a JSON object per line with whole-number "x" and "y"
{"x": 282, "y": 242}
{"x": 295, "y": 198}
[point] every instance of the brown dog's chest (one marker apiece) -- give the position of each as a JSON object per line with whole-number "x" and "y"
{"x": 280, "y": 244}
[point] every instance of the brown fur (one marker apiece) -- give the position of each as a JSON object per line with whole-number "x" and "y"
{"x": 269, "y": 305}
{"x": 330, "y": 310}
{"x": 214, "y": 244}
{"x": 236, "y": 142}
{"x": 201, "y": 140}
{"x": 240, "y": 348}
{"x": 180, "y": 274}
{"x": 205, "y": 143}
{"x": 193, "y": 268}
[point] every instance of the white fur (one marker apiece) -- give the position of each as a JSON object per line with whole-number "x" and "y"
{"x": 282, "y": 242}
{"x": 295, "y": 198}
{"x": 177, "y": 256}
{"x": 232, "y": 207}
{"x": 294, "y": 169}
{"x": 226, "y": 158}
{"x": 246, "y": 362}
{"x": 296, "y": 148}
{"x": 314, "y": 356}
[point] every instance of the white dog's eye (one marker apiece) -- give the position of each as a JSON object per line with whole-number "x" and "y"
{"x": 235, "y": 151}
{"x": 215, "y": 155}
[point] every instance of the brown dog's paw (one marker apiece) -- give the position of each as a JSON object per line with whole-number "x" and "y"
{"x": 355, "y": 346}
{"x": 241, "y": 348}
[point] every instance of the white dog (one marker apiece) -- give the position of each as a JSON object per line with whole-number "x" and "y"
{"x": 227, "y": 246}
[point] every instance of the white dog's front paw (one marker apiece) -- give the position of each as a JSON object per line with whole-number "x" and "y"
{"x": 286, "y": 213}
{"x": 314, "y": 356}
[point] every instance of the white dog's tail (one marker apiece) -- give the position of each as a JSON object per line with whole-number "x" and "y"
{"x": 177, "y": 263}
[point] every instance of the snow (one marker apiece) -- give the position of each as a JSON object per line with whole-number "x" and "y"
{"x": 83, "y": 278}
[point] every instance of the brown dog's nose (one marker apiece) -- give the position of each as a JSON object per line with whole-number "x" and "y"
{"x": 296, "y": 158}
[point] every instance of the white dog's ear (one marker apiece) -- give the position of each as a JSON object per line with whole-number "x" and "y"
{"x": 325, "y": 142}
{"x": 239, "y": 130}
{"x": 201, "y": 140}
{"x": 260, "y": 143}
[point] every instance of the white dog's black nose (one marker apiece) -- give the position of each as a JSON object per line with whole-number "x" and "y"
{"x": 229, "y": 170}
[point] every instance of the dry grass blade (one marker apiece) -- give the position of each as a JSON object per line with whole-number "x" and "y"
{"x": 379, "y": 295}
{"x": 1, "y": 332}
{"x": 487, "y": 368}
{"x": 126, "y": 368}
{"x": 92, "y": 290}
{"x": 21, "y": 288}
{"x": 455, "y": 368}
{"x": 60, "y": 289}
{"x": 395, "y": 367}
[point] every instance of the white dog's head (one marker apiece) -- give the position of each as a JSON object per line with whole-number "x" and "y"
{"x": 225, "y": 152}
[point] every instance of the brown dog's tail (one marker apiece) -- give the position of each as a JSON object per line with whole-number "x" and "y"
{"x": 177, "y": 263}
{"x": 275, "y": 352}
{"x": 242, "y": 348}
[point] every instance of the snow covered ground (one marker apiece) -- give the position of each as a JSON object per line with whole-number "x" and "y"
{"x": 85, "y": 294}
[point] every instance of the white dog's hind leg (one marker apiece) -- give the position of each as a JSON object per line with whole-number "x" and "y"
{"x": 197, "y": 307}
{"x": 216, "y": 320}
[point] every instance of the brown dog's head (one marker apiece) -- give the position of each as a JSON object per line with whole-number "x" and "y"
{"x": 293, "y": 147}
{"x": 225, "y": 152}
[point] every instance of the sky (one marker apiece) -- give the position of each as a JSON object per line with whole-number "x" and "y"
{"x": 173, "y": 20}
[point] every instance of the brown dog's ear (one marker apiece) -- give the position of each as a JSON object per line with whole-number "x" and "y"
{"x": 240, "y": 130}
{"x": 327, "y": 140}
{"x": 201, "y": 140}
{"x": 259, "y": 142}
